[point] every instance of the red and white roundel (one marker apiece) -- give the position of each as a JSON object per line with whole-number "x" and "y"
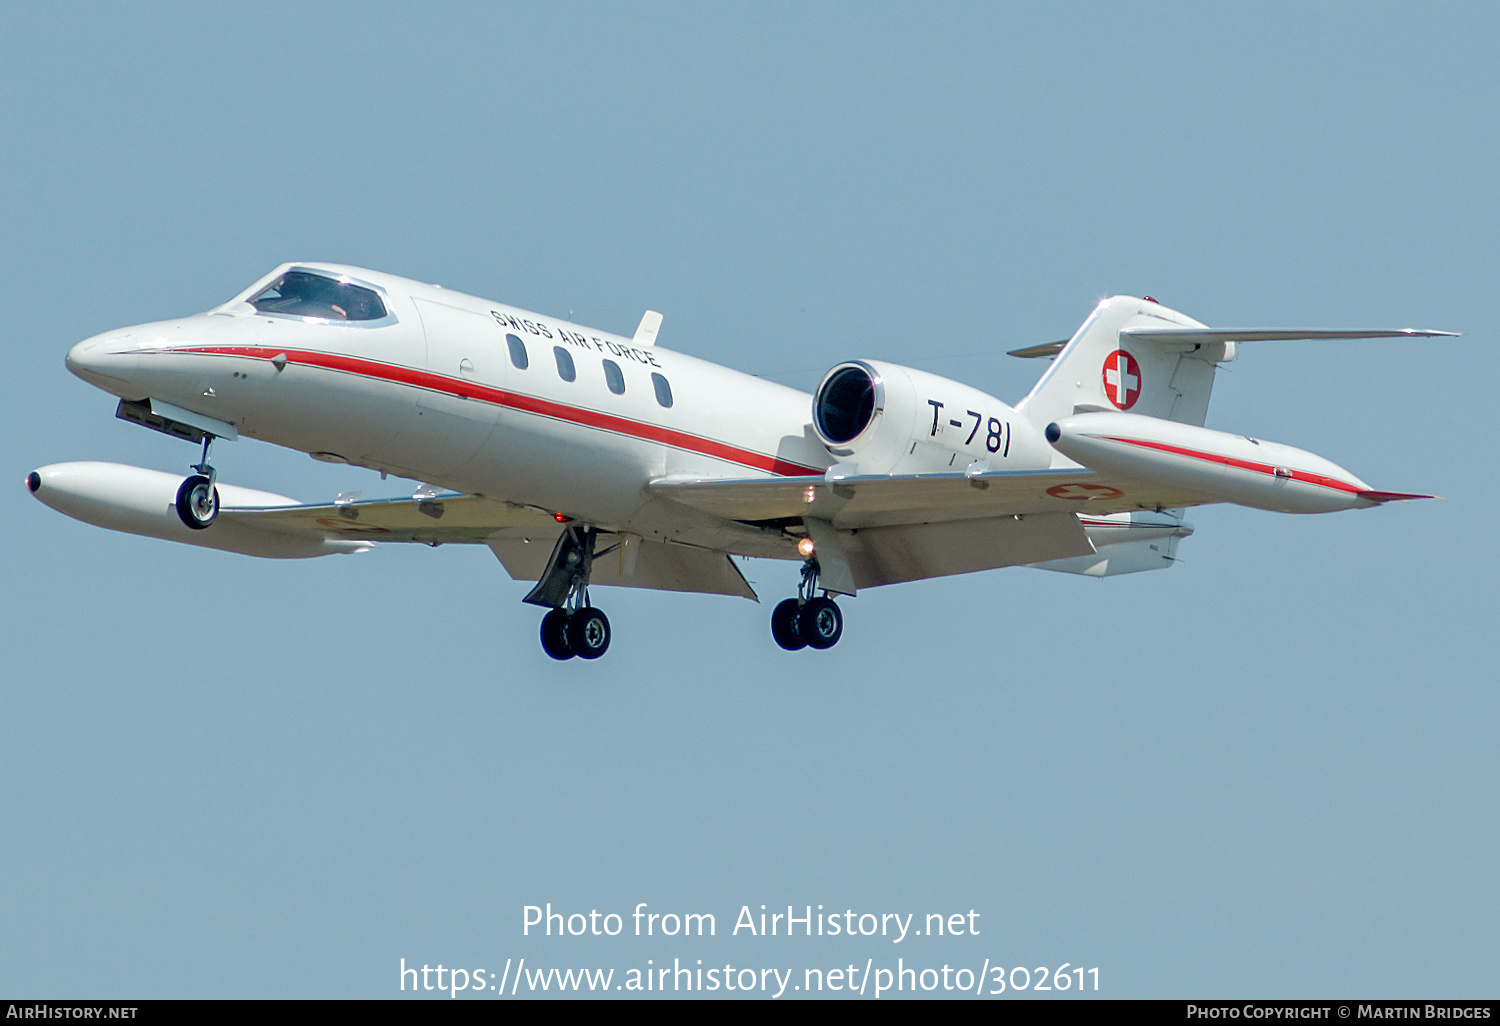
{"x": 1122, "y": 379}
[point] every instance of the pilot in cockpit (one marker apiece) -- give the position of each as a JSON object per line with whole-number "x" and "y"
{"x": 303, "y": 294}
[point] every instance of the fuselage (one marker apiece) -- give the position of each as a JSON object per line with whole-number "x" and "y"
{"x": 468, "y": 394}
{"x": 455, "y": 391}
{"x": 359, "y": 367}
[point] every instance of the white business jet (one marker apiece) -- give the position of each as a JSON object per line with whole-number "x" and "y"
{"x": 584, "y": 458}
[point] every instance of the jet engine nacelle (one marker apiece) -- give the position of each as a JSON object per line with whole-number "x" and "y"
{"x": 140, "y": 501}
{"x": 890, "y": 419}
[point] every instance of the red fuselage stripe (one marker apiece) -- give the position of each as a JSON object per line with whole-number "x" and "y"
{"x": 1230, "y": 461}
{"x": 515, "y": 401}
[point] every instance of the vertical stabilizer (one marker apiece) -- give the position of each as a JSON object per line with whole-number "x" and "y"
{"x": 1102, "y": 369}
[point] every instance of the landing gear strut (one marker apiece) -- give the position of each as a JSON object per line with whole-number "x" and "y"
{"x": 572, "y": 627}
{"x": 197, "y": 498}
{"x": 809, "y": 620}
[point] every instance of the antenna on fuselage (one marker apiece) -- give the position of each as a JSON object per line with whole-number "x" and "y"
{"x": 645, "y": 334}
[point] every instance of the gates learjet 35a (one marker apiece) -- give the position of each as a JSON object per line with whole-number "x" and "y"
{"x": 581, "y": 457}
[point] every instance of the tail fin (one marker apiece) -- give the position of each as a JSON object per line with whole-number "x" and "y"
{"x": 1113, "y": 363}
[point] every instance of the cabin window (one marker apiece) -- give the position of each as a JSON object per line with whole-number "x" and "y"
{"x": 303, "y": 294}
{"x": 565, "y": 368}
{"x": 663, "y": 389}
{"x": 517, "y": 352}
{"x": 614, "y": 377}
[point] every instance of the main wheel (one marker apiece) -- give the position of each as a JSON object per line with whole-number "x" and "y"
{"x": 821, "y": 622}
{"x": 588, "y": 633}
{"x": 555, "y": 635}
{"x": 197, "y": 502}
{"x": 784, "y": 626}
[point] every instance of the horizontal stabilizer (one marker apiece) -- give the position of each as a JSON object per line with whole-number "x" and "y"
{"x": 1206, "y": 336}
{"x": 1045, "y": 349}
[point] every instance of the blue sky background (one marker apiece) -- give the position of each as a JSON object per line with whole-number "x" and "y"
{"x": 1270, "y": 771}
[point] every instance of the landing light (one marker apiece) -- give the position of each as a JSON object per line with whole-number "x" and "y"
{"x": 805, "y": 548}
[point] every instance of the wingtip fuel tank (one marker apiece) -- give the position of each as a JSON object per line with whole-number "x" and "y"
{"x": 1212, "y": 466}
{"x": 136, "y": 500}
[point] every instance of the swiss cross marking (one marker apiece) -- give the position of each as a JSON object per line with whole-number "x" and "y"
{"x": 1122, "y": 379}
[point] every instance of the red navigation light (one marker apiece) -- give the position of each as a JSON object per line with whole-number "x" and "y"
{"x": 560, "y": 518}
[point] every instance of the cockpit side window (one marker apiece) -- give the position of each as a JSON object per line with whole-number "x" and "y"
{"x": 303, "y": 294}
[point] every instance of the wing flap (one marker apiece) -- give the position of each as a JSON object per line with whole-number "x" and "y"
{"x": 891, "y": 555}
{"x": 445, "y": 518}
{"x": 656, "y": 565}
{"x": 892, "y": 501}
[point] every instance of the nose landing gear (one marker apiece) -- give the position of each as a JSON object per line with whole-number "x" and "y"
{"x": 197, "y": 498}
{"x": 809, "y": 620}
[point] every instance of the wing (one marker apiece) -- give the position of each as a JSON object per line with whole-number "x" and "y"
{"x": 520, "y": 537}
{"x": 905, "y": 528}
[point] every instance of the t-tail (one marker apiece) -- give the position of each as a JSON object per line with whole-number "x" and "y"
{"x": 1119, "y": 360}
{"x": 1127, "y": 397}
{"x": 1138, "y": 356}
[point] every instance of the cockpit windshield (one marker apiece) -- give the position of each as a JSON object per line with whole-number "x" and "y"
{"x": 303, "y": 294}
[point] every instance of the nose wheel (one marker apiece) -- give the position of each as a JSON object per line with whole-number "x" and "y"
{"x": 809, "y": 620}
{"x": 198, "y": 502}
{"x": 197, "y": 498}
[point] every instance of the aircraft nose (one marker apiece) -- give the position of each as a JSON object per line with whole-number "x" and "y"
{"x": 100, "y": 362}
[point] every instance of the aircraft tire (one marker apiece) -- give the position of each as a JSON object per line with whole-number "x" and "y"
{"x": 820, "y": 622}
{"x": 555, "y": 635}
{"x": 197, "y": 502}
{"x": 785, "y": 627}
{"x": 588, "y": 633}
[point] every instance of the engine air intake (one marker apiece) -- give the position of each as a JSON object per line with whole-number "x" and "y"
{"x": 846, "y": 402}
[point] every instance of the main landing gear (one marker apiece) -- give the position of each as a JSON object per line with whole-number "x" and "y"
{"x": 583, "y": 632}
{"x": 809, "y": 620}
{"x": 572, "y": 627}
{"x": 197, "y": 498}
